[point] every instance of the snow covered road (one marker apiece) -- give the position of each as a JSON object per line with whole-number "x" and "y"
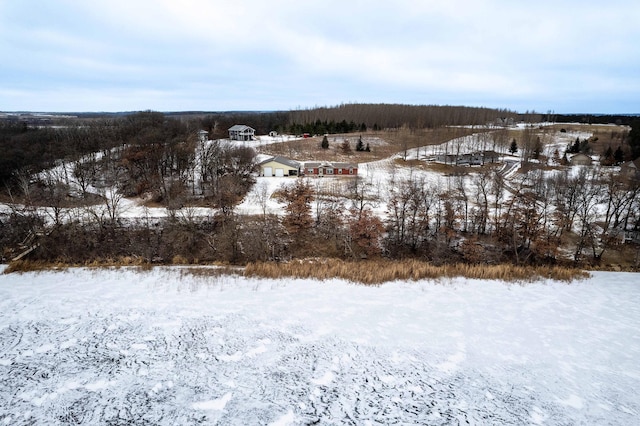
{"x": 166, "y": 347}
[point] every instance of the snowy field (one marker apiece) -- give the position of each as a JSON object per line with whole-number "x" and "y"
{"x": 166, "y": 347}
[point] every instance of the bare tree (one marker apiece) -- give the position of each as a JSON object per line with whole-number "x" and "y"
{"x": 586, "y": 213}
{"x": 261, "y": 195}
{"x": 53, "y": 193}
{"x": 84, "y": 172}
{"x": 462, "y": 194}
{"x": 363, "y": 193}
{"x": 481, "y": 184}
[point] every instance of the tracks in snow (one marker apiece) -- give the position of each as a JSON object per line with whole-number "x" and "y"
{"x": 136, "y": 366}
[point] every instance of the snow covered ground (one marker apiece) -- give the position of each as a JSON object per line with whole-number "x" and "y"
{"x": 166, "y": 347}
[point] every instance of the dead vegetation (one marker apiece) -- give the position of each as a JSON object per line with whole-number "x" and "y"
{"x": 21, "y": 266}
{"x": 383, "y": 144}
{"x": 363, "y": 272}
{"x": 380, "y": 271}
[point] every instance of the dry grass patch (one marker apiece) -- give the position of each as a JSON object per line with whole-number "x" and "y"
{"x": 383, "y": 144}
{"x": 380, "y": 271}
{"x": 208, "y": 271}
{"x": 21, "y": 266}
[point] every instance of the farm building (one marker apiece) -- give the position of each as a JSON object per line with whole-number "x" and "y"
{"x": 279, "y": 166}
{"x": 329, "y": 169}
{"x": 240, "y": 132}
{"x": 469, "y": 159}
{"x": 580, "y": 160}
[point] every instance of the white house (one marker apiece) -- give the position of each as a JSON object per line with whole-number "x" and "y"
{"x": 240, "y": 132}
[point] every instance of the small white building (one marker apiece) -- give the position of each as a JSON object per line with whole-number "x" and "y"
{"x": 240, "y": 132}
{"x": 203, "y": 135}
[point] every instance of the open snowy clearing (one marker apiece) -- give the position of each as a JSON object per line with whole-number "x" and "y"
{"x": 166, "y": 347}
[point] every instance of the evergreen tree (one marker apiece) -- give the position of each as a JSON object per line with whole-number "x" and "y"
{"x": 360, "y": 145}
{"x": 367, "y": 148}
{"x": 575, "y": 147}
{"x": 514, "y": 147}
{"x": 607, "y": 158}
{"x": 325, "y": 142}
{"x": 618, "y": 155}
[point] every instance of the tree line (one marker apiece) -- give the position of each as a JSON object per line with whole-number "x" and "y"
{"x": 384, "y": 116}
{"x": 476, "y": 218}
{"x": 150, "y": 154}
{"x": 26, "y": 147}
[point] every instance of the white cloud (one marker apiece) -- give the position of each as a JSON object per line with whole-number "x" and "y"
{"x": 290, "y": 52}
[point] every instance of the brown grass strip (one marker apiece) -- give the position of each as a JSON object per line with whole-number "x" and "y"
{"x": 21, "y": 266}
{"x": 371, "y": 272}
{"x": 381, "y": 271}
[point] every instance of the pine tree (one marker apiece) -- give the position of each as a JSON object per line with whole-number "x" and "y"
{"x": 325, "y": 142}
{"x": 514, "y": 147}
{"x": 618, "y": 155}
{"x": 607, "y": 158}
{"x": 575, "y": 148}
{"x": 360, "y": 145}
{"x": 367, "y": 148}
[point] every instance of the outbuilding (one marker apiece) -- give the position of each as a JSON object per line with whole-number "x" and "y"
{"x": 580, "y": 160}
{"x": 279, "y": 167}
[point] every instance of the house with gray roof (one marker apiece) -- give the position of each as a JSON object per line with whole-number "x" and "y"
{"x": 240, "y": 132}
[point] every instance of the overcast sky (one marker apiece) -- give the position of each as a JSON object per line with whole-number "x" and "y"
{"x": 218, "y": 55}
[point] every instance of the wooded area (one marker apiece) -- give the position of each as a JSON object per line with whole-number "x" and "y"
{"x": 533, "y": 218}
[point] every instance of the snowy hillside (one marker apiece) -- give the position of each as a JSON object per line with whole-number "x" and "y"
{"x": 167, "y": 347}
